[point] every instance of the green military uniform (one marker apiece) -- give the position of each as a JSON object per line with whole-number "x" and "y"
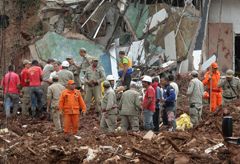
{"x": 98, "y": 75}
{"x": 195, "y": 92}
{"x": 53, "y": 94}
{"x": 86, "y": 62}
{"x": 76, "y": 72}
{"x": 109, "y": 111}
{"x": 47, "y": 70}
{"x": 129, "y": 113}
{"x": 231, "y": 89}
{"x": 64, "y": 75}
{"x": 26, "y": 105}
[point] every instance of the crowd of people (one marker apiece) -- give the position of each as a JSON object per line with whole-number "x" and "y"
{"x": 58, "y": 90}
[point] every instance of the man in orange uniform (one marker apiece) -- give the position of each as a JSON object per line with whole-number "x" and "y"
{"x": 211, "y": 79}
{"x": 70, "y": 103}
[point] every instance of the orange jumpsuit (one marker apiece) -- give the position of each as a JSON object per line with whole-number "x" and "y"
{"x": 216, "y": 95}
{"x": 70, "y": 103}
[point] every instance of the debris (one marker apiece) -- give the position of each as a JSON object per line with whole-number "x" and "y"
{"x": 197, "y": 56}
{"x": 24, "y": 126}
{"x": 112, "y": 160}
{"x": 155, "y": 20}
{"x": 31, "y": 150}
{"x": 4, "y": 131}
{"x": 106, "y": 148}
{"x": 91, "y": 154}
{"x": 207, "y": 63}
{"x": 128, "y": 153}
{"x": 215, "y": 147}
{"x": 181, "y": 159}
{"x": 136, "y": 160}
{"x": 146, "y": 156}
{"x": 149, "y": 135}
{"x": 77, "y": 137}
{"x": 170, "y": 46}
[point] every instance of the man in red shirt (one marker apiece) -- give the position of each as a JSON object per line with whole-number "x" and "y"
{"x": 25, "y": 87}
{"x": 149, "y": 103}
{"x": 11, "y": 84}
{"x": 36, "y": 93}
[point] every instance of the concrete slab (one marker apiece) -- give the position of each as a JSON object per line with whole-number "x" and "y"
{"x": 170, "y": 46}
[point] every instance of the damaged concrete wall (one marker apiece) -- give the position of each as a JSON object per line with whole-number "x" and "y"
{"x": 229, "y": 14}
{"x": 224, "y": 22}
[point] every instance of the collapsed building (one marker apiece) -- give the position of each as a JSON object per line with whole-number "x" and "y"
{"x": 151, "y": 32}
{"x": 157, "y": 35}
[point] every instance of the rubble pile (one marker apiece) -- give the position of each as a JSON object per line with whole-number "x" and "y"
{"x": 35, "y": 141}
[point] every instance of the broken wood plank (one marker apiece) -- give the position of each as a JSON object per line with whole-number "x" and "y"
{"x": 130, "y": 28}
{"x": 173, "y": 145}
{"x": 31, "y": 150}
{"x": 144, "y": 153}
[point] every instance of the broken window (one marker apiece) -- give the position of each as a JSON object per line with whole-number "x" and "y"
{"x": 4, "y": 21}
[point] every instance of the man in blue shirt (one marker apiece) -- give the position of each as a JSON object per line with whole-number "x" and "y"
{"x": 169, "y": 110}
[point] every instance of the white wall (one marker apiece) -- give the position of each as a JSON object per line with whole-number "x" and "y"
{"x": 230, "y": 13}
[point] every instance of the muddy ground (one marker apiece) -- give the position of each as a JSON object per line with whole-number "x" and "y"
{"x": 35, "y": 141}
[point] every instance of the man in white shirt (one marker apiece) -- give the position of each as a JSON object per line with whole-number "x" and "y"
{"x": 174, "y": 85}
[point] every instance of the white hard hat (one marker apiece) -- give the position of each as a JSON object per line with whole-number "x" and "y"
{"x": 65, "y": 64}
{"x": 147, "y": 79}
{"x": 110, "y": 77}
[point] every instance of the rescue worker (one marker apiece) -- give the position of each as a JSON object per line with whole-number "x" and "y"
{"x": 130, "y": 108}
{"x": 86, "y": 60}
{"x": 175, "y": 87}
{"x": 155, "y": 85}
{"x": 211, "y": 80}
{"x": 35, "y": 76}
{"x": 53, "y": 94}
{"x": 93, "y": 78}
{"x": 125, "y": 69}
{"x": 25, "y": 88}
{"x": 111, "y": 80}
{"x": 149, "y": 103}
{"x": 230, "y": 86}
{"x": 47, "y": 70}
{"x": 195, "y": 93}
{"x": 169, "y": 110}
{"x": 75, "y": 69}
{"x": 56, "y": 69}
{"x": 11, "y": 85}
{"x": 109, "y": 109}
{"x": 65, "y": 75}
{"x": 70, "y": 104}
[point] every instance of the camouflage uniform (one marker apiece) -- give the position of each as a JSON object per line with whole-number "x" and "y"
{"x": 195, "y": 91}
{"x": 109, "y": 111}
{"x": 53, "y": 94}
{"x": 44, "y": 84}
{"x": 26, "y": 104}
{"x": 130, "y": 110}
{"x": 86, "y": 62}
{"x": 96, "y": 75}
{"x": 76, "y": 72}
{"x": 231, "y": 89}
{"x": 64, "y": 75}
